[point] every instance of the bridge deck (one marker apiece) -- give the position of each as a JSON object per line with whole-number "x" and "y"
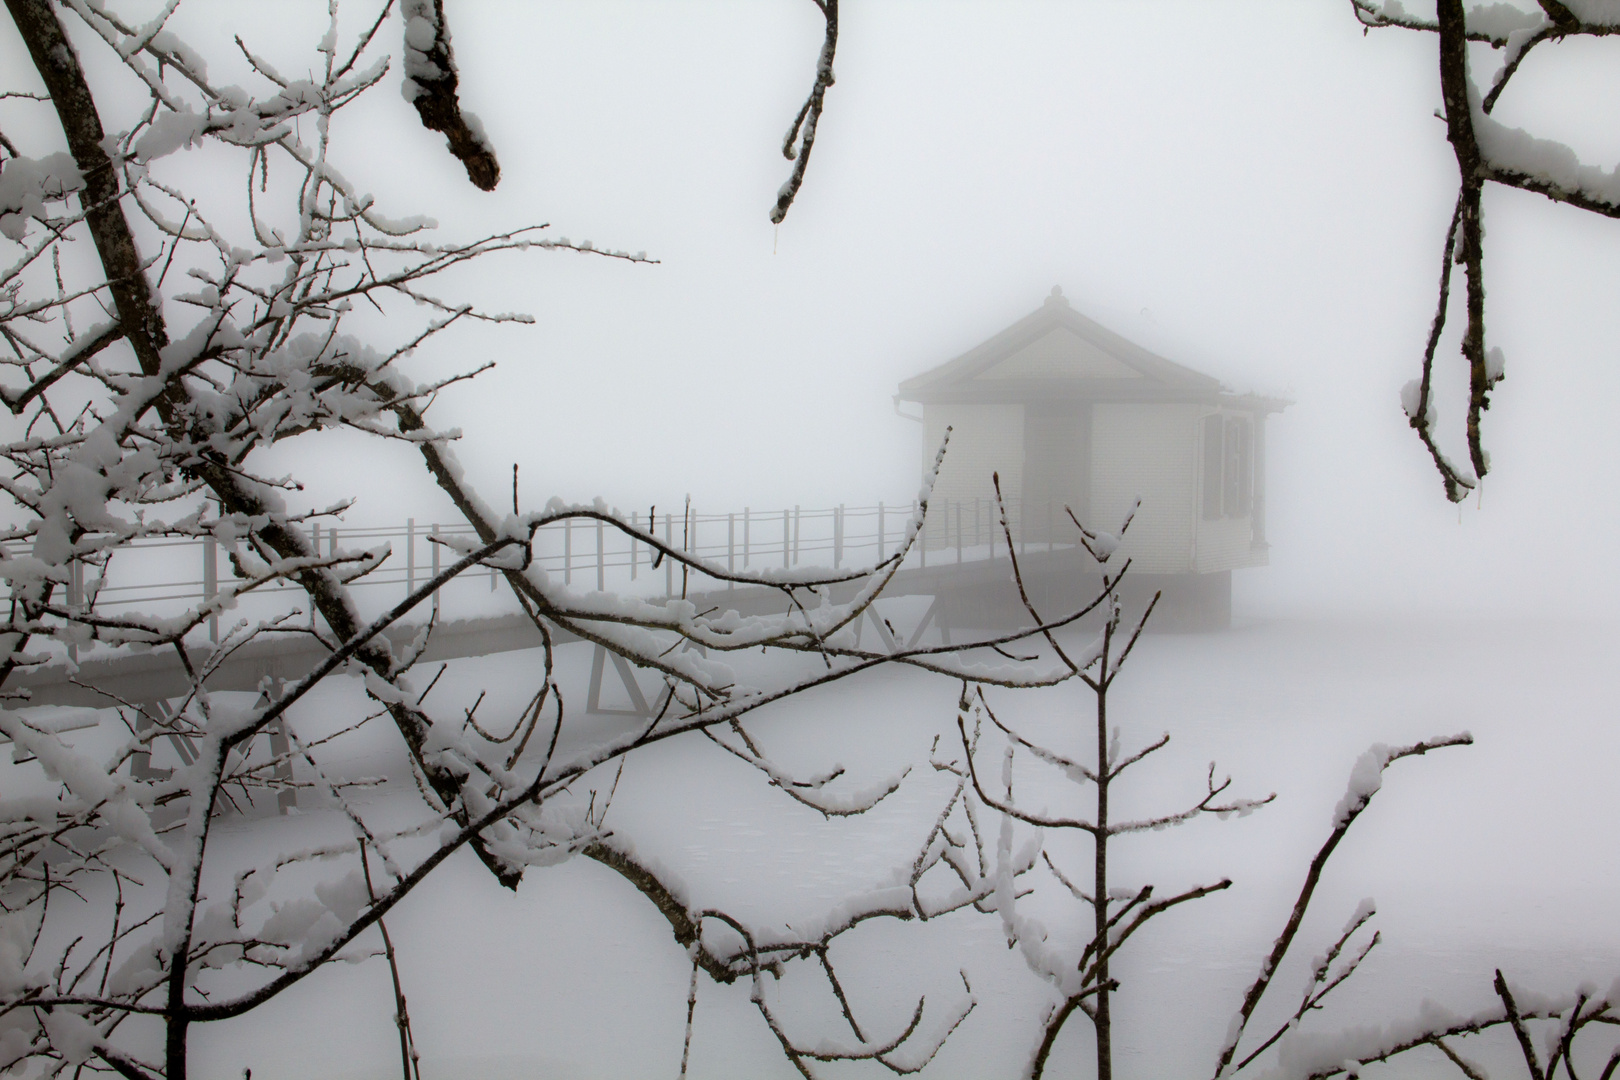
{"x": 968, "y": 594}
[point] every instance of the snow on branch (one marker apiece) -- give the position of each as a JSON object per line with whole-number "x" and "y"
{"x": 431, "y": 80}
{"x": 1488, "y": 151}
{"x": 146, "y": 384}
{"x": 1366, "y": 778}
{"x": 801, "y": 135}
{"x": 1081, "y": 977}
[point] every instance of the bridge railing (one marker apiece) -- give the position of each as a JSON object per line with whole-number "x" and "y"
{"x": 164, "y": 577}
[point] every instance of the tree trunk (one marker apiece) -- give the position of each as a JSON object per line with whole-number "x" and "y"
{"x": 142, "y": 323}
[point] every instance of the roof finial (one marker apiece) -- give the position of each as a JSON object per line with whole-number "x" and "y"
{"x": 1057, "y": 297}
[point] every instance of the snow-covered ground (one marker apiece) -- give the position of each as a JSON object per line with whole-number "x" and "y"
{"x": 1502, "y": 854}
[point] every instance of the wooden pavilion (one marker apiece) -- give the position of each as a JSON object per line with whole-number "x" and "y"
{"x": 1072, "y": 415}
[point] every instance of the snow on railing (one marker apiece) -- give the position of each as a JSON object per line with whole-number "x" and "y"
{"x": 162, "y": 576}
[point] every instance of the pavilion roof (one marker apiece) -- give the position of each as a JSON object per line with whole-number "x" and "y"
{"x": 1056, "y": 353}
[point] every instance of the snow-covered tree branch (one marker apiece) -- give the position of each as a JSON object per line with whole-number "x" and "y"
{"x": 1489, "y": 151}
{"x": 163, "y": 337}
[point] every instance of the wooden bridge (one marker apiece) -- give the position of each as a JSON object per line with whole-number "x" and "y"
{"x": 965, "y": 570}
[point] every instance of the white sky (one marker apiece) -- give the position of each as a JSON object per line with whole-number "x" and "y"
{"x": 1257, "y": 190}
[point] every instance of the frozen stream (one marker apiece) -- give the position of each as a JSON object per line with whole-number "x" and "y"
{"x": 1501, "y": 854}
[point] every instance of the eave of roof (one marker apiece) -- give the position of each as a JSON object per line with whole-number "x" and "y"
{"x": 1160, "y": 380}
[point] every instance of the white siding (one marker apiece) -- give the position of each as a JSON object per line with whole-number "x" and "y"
{"x": 985, "y": 439}
{"x": 1151, "y": 452}
{"x": 1227, "y": 544}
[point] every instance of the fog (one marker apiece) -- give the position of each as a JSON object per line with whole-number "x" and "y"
{"x": 1256, "y": 190}
{"x": 1258, "y": 193}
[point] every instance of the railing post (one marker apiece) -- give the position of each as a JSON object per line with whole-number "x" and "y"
{"x": 922, "y": 536}
{"x": 785, "y": 549}
{"x": 601, "y": 560}
{"x": 747, "y": 534}
{"x": 731, "y": 545}
{"x": 435, "y": 545}
{"x": 410, "y": 556}
{"x": 635, "y": 545}
{"x": 838, "y": 536}
{"x": 669, "y": 563}
{"x": 795, "y": 534}
{"x": 210, "y": 584}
